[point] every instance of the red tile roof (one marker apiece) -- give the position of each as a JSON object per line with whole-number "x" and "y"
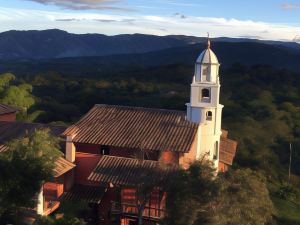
{"x": 3, "y": 148}
{"x": 12, "y": 130}
{"x": 84, "y": 193}
{"x": 62, "y": 166}
{"x": 227, "y": 150}
{"x": 129, "y": 171}
{"x": 135, "y": 127}
{"x": 6, "y": 109}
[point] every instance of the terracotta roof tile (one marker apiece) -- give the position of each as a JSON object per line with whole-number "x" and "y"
{"x": 84, "y": 193}
{"x": 13, "y": 130}
{"x": 129, "y": 171}
{"x": 227, "y": 150}
{"x": 6, "y": 109}
{"x": 62, "y": 166}
{"x": 135, "y": 127}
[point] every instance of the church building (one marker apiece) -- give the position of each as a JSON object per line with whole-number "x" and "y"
{"x": 113, "y": 149}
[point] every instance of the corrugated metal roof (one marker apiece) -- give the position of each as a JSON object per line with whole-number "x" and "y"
{"x": 135, "y": 127}
{"x": 62, "y": 166}
{"x": 129, "y": 171}
{"x": 5, "y": 109}
{"x": 12, "y": 130}
{"x": 227, "y": 150}
{"x": 85, "y": 193}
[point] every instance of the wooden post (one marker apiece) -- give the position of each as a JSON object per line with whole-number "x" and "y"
{"x": 290, "y": 164}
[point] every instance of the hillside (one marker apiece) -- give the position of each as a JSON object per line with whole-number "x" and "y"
{"x": 246, "y": 53}
{"x": 60, "y": 44}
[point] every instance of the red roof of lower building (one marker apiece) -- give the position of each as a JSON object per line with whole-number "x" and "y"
{"x": 129, "y": 171}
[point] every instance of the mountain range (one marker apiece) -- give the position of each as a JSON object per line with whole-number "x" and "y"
{"x": 49, "y": 44}
{"x": 32, "y": 52}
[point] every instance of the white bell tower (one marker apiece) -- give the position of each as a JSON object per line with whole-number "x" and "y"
{"x": 204, "y": 107}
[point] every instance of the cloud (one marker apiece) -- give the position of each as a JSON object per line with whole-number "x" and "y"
{"x": 84, "y": 4}
{"x": 290, "y": 6}
{"x": 177, "y": 3}
{"x": 181, "y": 16}
{"x": 67, "y": 20}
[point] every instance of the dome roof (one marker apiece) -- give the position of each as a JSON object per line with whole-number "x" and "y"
{"x": 207, "y": 57}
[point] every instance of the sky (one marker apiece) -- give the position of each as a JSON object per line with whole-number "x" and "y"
{"x": 261, "y": 19}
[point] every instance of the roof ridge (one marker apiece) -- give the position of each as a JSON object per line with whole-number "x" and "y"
{"x": 140, "y": 107}
{"x": 30, "y": 123}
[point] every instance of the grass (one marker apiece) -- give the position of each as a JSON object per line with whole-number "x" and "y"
{"x": 287, "y": 211}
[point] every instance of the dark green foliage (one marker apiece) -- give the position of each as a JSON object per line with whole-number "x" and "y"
{"x": 239, "y": 197}
{"x": 24, "y": 167}
{"x": 287, "y": 192}
{"x": 191, "y": 195}
{"x": 244, "y": 199}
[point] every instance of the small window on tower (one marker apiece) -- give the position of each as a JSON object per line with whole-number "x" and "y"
{"x": 209, "y": 115}
{"x": 205, "y": 95}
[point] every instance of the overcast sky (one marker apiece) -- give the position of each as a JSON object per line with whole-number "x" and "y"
{"x": 263, "y": 19}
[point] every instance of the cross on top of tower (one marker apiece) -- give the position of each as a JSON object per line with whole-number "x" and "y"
{"x": 208, "y": 40}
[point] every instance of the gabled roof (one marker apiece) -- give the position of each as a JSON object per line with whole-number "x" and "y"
{"x": 135, "y": 127}
{"x": 6, "y": 109}
{"x": 62, "y": 166}
{"x": 13, "y": 130}
{"x": 129, "y": 172}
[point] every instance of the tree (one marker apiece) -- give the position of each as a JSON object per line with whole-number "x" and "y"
{"x": 16, "y": 95}
{"x": 244, "y": 199}
{"x": 28, "y": 162}
{"x": 239, "y": 197}
{"x": 192, "y": 194}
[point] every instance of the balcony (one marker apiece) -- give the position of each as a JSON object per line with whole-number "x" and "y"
{"x": 131, "y": 211}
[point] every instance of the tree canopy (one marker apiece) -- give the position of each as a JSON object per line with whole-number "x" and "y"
{"x": 197, "y": 196}
{"x": 28, "y": 162}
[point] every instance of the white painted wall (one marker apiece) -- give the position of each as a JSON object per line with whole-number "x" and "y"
{"x": 209, "y": 130}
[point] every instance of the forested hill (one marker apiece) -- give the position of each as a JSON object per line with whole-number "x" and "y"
{"x": 246, "y": 53}
{"x": 60, "y": 44}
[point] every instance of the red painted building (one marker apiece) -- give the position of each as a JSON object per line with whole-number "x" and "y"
{"x": 8, "y": 113}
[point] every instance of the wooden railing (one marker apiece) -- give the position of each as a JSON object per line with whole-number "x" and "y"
{"x": 132, "y": 211}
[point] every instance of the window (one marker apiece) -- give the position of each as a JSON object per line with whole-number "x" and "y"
{"x": 205, "y": 73}
{"x": 209, "y": 115}
{"x": 104, "y": 150}
{"x": 205, "y": 95}
{"x": 216, "y": 150}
